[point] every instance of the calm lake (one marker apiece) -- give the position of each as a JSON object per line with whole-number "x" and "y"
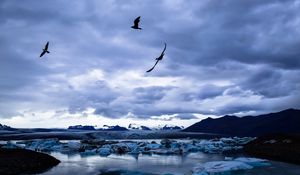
{"x": 77, "y": 164}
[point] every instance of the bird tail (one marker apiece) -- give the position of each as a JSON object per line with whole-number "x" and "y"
{"x": 47, "y": 51}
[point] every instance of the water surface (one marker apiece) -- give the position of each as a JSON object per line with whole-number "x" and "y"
{"x": 155, "y": 164}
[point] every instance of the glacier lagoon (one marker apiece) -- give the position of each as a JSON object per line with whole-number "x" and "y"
{"x": 77, "y": 164}
{"x": 154, "y": 156}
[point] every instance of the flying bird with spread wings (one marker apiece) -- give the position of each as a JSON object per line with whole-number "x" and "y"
{"x": 136, "y": 23}
{"x": 159, "y": 58}
{"x": 45, "y": 50}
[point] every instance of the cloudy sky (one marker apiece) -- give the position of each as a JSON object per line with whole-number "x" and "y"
{"x": 223, "y": 57}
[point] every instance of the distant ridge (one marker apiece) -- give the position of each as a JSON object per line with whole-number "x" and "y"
{"x": 286, "y": 121}
{"x": 133, "y": 126}
{"x": 113, "y": 128}
{"x": 7, "y": 128}
{"x": 80, "y": 127}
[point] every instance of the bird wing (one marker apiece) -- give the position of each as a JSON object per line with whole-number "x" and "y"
{"x": 153, "y": 66}
{"x": 42, "y": 53}
{"x": 137, "y": 20}
{"x": 164, "y": 49}
{"x": 46, "y": 46}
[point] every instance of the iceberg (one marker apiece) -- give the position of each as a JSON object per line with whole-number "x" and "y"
{"x": 220, "y": 167}
{"x": 165, "y": 146}
{"x": 153, "y": 146}
{"x": 10, "y": 145}
{"x": 73, "y": 145}
{"x": 104, "y": 152}
{"x": 253, "y": 161}
{"x": 89, "y": 152}
{"x": 43, "y": 145}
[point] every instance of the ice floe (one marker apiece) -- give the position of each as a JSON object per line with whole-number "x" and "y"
{"x": 107, "y": 147}
{"x": 228, "y": 165}
{"x": 253, "y": 161}
{"x": 104, "y": 151}
{"x": 220, "y": 167}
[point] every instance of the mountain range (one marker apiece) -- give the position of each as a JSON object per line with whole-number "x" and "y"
{"x": 132, "y": 127}
{"x": 286, "y": 121}
{"x": 7, "y": 128}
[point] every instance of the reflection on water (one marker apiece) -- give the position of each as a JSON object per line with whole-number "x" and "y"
{"x": 154, "y": 164}
{"x": 78, "y": 164}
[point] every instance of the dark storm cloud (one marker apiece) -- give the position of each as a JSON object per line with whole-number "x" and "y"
{"x": 210, "y": 91}
{"x": 186, "y": 116}
{"x": 149, "y": 94}
{"x": 219, "y": 53}
{"x": 268, "y": 83}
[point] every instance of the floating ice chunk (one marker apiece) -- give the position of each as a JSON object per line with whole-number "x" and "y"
{"x": 270, "y": 141}
{"x": 10, "y": 145}
{"x": 104, "y": 151}
{"x": 175, "y": 145}
{"x": 135, "y": 151}
{"x": 286, "y": 141}
{"x": 200, "y": 173}
{"x": 253, "y": 161}
{"x": 89, "y": 152}
{"x": 164, "y": 151}
{"x": 153, "y": 146}
{"x": 191, "y": 148}
{"x": 227, "y": 140}
{"x": 220, "y": 167}
{"x": 106, "y": 146}
{"x": 74, "y": 145}
{"x": 126, "y": 172}
{"x": 228, "y": 158}
{"x": 56, "y": 148}
{"x": 132, "y": 145}
{"x": 43, "y": 144}
{"x": 120, "y": 148}
{"x": 243, "y": 140}
{"x": 166, "y": 143}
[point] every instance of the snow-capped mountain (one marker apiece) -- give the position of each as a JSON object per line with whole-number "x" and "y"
{"x": 80, "y": 127}
{"x": 133, "y": 126}
{"x": 5, "y": 127}
{"x": 168, "y": 127}
{"x": 113, "y": 128}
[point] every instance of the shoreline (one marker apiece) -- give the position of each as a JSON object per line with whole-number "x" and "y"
{"x": 277, "y": 147}
{"x": 22, "y": 161}
{"x": 107, "y": 135}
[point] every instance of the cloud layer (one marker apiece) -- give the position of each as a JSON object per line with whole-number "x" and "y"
{"x": 223, "y": 57}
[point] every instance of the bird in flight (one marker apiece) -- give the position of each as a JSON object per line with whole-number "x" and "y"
{"x": 45, "y": 50}
{"x": 158, "y": 58}
{"x": 136, "y": 23}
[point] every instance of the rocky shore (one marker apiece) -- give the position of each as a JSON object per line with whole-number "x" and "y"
{"x": 280, "y": 147}
{"x": 22, "y": 161}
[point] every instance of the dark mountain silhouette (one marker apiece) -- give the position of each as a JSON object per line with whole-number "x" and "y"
{"x": 287, "y": 121}
{"x": 7, "y": 128}
{"x": 277, "y": 146}
{"x": 169, "y": 127}
{"x": 114, "y": 128}
{"x": 80, "y": 127}
{"x": 138, "y": 127}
